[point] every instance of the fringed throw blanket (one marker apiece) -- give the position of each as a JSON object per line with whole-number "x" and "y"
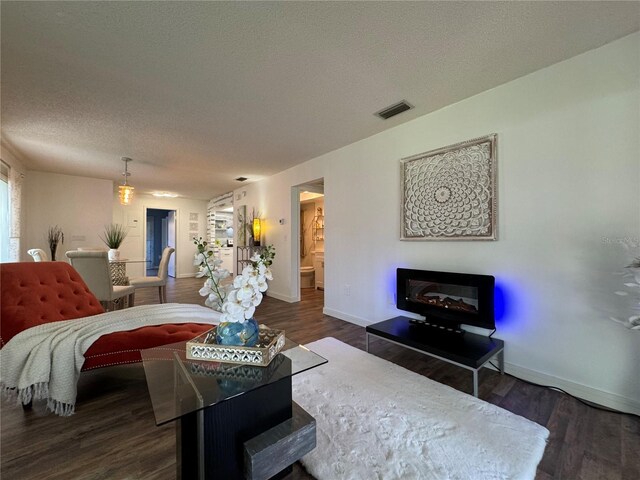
{"x": 44, "y": 362}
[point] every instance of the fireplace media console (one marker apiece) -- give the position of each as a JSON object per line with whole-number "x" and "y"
{"x": 470, "y": 351}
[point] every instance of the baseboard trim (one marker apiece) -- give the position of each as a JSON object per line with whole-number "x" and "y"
{"x": 284, "y": 298}
{"x": 600, "y": 397}
{"x": 346, "y": 317}
{"x": 186, "y": 275}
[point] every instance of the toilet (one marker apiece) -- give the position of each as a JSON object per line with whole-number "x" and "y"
{"x": 307, "y": 277}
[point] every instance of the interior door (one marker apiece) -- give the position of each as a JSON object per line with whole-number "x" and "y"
{"x": 171, "y": 241}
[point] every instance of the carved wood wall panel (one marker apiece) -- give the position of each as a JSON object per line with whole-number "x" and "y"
{"x": 450, "y": 193}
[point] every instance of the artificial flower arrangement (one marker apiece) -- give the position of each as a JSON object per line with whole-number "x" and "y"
{"x": 238, "y": 300}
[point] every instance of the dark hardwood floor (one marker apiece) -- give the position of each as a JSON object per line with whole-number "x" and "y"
{"x": 113, "y": 434}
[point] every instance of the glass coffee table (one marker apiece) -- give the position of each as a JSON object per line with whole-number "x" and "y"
{"x": 234, "y": 421}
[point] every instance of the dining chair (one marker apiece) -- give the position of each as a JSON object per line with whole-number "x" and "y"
{"x": 93, "y": 267}
{"x": 38, "y": 255}
{"x": 161, "y": 280}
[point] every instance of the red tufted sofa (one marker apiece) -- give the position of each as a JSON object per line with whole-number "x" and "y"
{"x": 34, "y": 293}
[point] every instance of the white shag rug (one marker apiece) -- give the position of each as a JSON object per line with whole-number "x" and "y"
{"x": 377, "y": 420}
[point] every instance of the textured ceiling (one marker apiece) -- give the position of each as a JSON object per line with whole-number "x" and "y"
{"x": 198, "y": 93}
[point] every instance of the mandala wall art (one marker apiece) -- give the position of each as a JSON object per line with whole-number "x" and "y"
{"x": 450, "y": 193}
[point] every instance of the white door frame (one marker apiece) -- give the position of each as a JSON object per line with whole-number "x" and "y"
{"x": 295, "y": 235}
{"x": 172, "y": 237}
{"x": 295, "y": 243}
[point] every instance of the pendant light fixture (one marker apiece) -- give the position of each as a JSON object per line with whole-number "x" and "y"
{"x": 126, "y": 190}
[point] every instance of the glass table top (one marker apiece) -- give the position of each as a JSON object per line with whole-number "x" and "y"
{"x": 178, "y": 386}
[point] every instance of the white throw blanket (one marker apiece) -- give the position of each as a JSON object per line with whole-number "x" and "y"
{"x": 379, "y": 421}
{"x": 44, "y": 362}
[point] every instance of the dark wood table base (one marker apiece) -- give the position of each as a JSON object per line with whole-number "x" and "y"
{"x": 256, "y": 435}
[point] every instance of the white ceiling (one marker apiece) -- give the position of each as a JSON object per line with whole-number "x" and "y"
{"x": 198, "y": 93}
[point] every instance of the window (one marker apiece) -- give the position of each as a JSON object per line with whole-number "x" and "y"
{"x": 4, "y": 212}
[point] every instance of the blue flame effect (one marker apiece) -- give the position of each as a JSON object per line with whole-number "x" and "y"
{"x": 501, "y": 303}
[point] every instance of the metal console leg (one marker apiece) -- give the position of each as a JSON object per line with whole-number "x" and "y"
{"x": 475, "y": 383}
{"x": 501, "y": 362}
{"x": 366, "y": 341}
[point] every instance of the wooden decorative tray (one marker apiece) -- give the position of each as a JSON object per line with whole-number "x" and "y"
{"x": 269, "y": 345}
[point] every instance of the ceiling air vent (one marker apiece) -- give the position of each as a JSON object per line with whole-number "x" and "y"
{"x": 241, "y": 179}
{"x": 394, "y": 110}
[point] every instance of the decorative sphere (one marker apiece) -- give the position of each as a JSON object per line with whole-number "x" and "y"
{"x": 244, "y": 334}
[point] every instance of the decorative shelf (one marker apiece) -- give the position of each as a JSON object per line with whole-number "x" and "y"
{"x": 317, "y": 226}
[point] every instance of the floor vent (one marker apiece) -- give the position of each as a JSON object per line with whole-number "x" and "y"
{"x": 394, "y": 110}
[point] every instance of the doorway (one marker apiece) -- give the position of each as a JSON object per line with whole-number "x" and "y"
{"x": 310, "y": 258}
{"x": 160, "y": 233}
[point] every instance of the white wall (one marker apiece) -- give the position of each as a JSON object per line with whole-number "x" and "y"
{"x": 81, "y": 206}
{"x": 569, "y": 187}
{"x": 133, "y": 217}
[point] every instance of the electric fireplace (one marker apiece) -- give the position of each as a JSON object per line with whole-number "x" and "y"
{"x": 447, "y": 299}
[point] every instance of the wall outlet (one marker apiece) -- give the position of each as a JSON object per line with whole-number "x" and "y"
{"x": 347, "y": 290}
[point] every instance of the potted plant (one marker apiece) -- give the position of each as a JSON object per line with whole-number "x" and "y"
{"x": 54, "y": 237}
{"x": 113, "y": 237}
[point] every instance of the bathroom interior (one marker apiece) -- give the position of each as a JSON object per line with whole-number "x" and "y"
{"x": 312, "y": 236}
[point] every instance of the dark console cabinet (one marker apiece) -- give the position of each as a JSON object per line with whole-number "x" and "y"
{"x": 470, "y": 351}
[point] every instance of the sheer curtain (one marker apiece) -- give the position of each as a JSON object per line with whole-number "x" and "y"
{"x": 10, "y": 213}
{"x": 5, "y": 226}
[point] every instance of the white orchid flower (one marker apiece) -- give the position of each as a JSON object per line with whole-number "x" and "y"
{"x": 220, "y": 274}
{"x": 248, "y": 271}
{"x": 237, "y": 300}
{"x": 234, "y": 311}
{"x": 257, "y": 299}
{"x": 227, "y": 317}
{"x": 248, "y": 313}
{"x": 262, "y": 284}
{"x": 213, "y": 262}
{"x": 240, "y": 281}
{"x": 213, "y": 301}
{"x": 268, "y": 275}
{"x": 205, "y": 290}
{"x": 231, "y": 299}
{"x": 245, "y": 292}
